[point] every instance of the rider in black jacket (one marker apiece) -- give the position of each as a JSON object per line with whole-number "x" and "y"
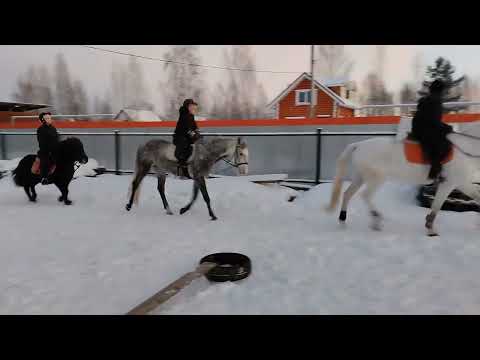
{"x": 429, "y": 129}
{"x": 48, "y": 139}
{"x": 186, "y": 133}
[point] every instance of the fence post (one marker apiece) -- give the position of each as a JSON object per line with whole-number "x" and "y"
{"x": 117, "y": 152}
{"x": 318, "y": 157}
{"x": 3, "y": 146}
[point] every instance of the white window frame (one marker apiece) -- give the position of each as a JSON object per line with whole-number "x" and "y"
{"x": 297, "y": 97}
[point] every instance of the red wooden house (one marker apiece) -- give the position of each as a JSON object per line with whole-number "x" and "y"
{"x": 331, "y": 99}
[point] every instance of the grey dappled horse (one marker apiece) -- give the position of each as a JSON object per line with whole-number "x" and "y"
{"x": 160, "y": 155}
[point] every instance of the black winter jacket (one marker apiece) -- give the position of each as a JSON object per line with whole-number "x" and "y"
{"x": 48, "y": 139}
{"x": 186, "y": 123}
{"x": 427, "y": 122}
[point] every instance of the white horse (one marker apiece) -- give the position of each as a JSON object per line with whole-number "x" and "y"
{"x": 381, "y": 159}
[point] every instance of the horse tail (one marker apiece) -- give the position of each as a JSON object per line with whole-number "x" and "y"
{"x": 18, "y": 179}
{"x": 342, "y": 161}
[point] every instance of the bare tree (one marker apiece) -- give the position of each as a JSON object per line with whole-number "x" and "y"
{"x": 418, "y": 69}
{"x": 79, "y": 102}
{"x": 408, "y": 95}
{"x": 183, "y": 81}
{"x": 245, "y": 97}
{"x": 34, "y": 86}
{"x": 63, "y": 86}
{"x": 380, "y": 61}
{"x": 375, "y": 93}
{"x": 332, "y": 62}
{"x": 102, "y": 106}
{"x": 119, "y": 86}
{"x": 137, "y": 93}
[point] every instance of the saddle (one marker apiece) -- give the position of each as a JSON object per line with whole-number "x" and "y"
{"x": 414, "y": 153}
{"x": 36, "y": 167}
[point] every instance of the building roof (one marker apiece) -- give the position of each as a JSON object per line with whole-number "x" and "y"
{"x": 138, "y": 115}
{"x": 335, "y": 82}
{"x": 337, "y": 98}
{"x": 20, "y": 107}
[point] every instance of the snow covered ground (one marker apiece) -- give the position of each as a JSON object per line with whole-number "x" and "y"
{"x": 95, "y": 258}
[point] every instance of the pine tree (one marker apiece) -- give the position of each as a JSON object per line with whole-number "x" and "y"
{"x": 443, "y": 70}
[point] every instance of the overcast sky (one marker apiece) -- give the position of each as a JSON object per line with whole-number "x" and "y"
{"x": 94, "y": 67}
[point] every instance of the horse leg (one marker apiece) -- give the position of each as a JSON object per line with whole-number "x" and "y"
{"x": 161, "y": 189}
{"x": 356, "y": 184}
{"x": 27, "y": 191}
{"x": 194, "y": 197}
{"x": 443, "y": 190}
{"x": 206, "y": 197}
{"x": 373, "y": 181}
{"x": 34, "y": 193}
{"x": 64, "y": 197}
{"x": 142, "y": 172}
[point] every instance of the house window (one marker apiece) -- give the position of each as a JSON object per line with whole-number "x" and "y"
{"x": 348, "y": 94}
{"x": 302, "y": 97}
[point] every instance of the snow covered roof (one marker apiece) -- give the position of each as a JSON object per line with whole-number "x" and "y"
{"x": 337, "y": 98}
{"x": 137, "y": 115}
{"x": 335, "y": 82}
{"x": 17, "y": 106}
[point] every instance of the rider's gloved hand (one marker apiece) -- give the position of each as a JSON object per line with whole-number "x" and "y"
{"x": 195, "y": 135}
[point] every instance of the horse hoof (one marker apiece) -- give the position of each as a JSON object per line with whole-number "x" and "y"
{"x": 68, "y": 202}
{"x": 376, "y": 227}
{"x": 33, "y": 200}
{"x": 128, "y": 207}
{"x": 432, "y": 233}
{"x": 169, "y": 213}
{"x": 214, "y": 218}
{"x": 60, "y": 199}
{"x": 183, "y": 211}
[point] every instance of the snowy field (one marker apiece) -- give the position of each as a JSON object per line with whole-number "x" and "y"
{"x": 96, "y": 258}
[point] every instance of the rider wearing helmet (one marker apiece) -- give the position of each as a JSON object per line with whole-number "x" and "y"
{"x": 429, "y": 130}
{"x": 186, "y": 133}
{"x": 48, "y": 139}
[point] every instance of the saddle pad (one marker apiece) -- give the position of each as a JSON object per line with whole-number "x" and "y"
{"x": 414, "y": 154}
{"x": 36, "y": 167}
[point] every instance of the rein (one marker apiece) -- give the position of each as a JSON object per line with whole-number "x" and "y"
{"x": 466, "y": 135}
{"x": 460, "y": 149}
{"x": 76, "y": 165}
{"x": 234, "y": 164}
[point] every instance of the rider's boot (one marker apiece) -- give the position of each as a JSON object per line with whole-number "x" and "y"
{"x": 182, "y": 170}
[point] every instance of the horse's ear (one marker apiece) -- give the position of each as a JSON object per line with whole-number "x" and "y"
{"x": 239, "y": 140}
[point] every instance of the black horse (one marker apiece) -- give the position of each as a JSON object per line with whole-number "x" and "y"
{"x": 70, "y": 151}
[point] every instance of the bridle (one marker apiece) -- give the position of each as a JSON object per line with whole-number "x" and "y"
{"x": 76, "y": 165}
{"x": 235, "y": 164}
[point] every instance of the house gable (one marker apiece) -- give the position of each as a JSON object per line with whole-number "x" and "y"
{"x": 328, "y": 100}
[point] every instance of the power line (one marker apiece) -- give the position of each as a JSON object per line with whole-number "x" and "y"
{"x": 189, "y": 64}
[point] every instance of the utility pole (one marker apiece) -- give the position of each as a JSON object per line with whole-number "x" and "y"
{"x": 312, "y": 107}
